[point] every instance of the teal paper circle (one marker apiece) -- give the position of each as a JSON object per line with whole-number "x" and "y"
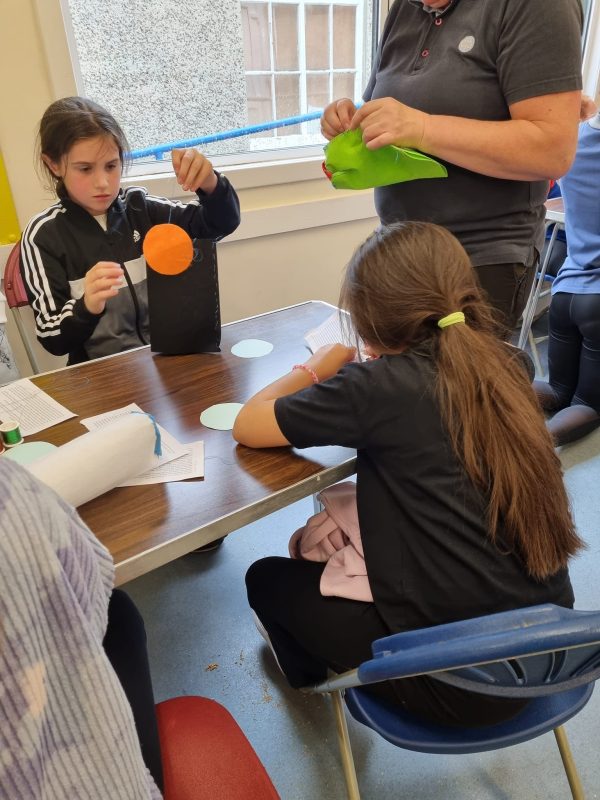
{"x": 251, "y": 348}
{"x": 220, "y": 417}
{"x": 29, "y": 452}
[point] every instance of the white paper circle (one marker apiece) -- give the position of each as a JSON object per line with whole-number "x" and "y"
{"x": 251, "y": 348}
{"x": 220, "y": 417}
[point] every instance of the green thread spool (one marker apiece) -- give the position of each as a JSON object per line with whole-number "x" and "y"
{"x": 11, "y": 435}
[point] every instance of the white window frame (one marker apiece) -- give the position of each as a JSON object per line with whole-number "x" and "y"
{"x": 245, "y": 171}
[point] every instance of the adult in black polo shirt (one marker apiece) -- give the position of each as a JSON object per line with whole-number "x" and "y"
{"x": 490, "y": 88}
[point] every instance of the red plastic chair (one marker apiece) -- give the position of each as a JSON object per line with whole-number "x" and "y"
{"x": 16, "y": 297}
{"x": 206, "y": 755}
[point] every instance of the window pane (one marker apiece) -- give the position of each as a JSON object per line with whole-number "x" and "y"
{"x": 317, "y": 90}
{"x": 259, "y": 92}
{"x": 219, "y": 65}
{"x": 344, "y": 37}
{"x": 317, "y": 37}
{"x": 343, "y": 85}
{"x": 285, "y": 34}
{"x": 287, "y": 93}
{"x": 255, "y": 26}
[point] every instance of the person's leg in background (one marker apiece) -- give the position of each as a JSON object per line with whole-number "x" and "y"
{"x": 507, "y": 287}
{"x": 574, "y": 366}
{"x": 564, "y": 349}
{"x": 125, "y": 645}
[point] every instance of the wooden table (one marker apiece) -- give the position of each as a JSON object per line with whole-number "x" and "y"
{"x": 145, "y": 527}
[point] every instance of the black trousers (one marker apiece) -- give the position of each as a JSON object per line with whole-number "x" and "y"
{"x": 507, "y": 287}
{"x": 125, "y": 645}
{"x": 311, "y": 633}
{"x": 574, "y": 349}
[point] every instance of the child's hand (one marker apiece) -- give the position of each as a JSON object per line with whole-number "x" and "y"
{"x": 329, "y": 359}
{"x": 101, "y": 282}
{"x": 193, "y": 171}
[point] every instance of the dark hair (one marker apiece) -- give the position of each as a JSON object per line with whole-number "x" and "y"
{"x": 68, "y": 121}
{"x": 397, "y": 286}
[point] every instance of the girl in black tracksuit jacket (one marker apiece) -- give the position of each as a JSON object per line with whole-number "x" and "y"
{"x": 82, "y": 258}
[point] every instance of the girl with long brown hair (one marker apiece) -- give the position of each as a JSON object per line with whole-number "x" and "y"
{"x": 461, "y": 502}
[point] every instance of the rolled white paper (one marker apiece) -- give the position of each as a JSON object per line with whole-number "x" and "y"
{"x": 99, "y": 460}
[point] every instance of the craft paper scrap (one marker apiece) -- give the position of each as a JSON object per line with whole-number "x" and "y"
{"x": 189, "y": 465}
{"x": 29, "y": 452}
{"x": 251, "y": 348}
{"x": 31, "y": 407}
{"x": 171, "y": 448}
{"x": 331, "y": 332}
{"x": 221, "y": 416}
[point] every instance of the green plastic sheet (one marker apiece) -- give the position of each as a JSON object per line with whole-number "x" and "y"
{"x": 351, "y": 165}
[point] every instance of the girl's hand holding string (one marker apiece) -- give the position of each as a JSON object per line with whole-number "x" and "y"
{"x": 101, "y": 282}
{"x": 193, "y": 171}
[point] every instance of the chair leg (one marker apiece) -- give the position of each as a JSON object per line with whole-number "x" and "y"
{"x": 539, "y": 372}
{"x": 345, "y": 748}
{"x": 569, "y": 763}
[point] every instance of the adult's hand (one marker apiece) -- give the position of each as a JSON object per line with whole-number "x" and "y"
{"x": 337, "y": 117}
{"x": 588, "y": 108}
{"x": 388, "y": 121}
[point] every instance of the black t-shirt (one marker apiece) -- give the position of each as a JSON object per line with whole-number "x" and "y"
{"x": 474, "y": 61}
{"x": 423, "y": 522}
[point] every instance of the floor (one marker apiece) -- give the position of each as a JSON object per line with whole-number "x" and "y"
{"x": 202, "y": 641}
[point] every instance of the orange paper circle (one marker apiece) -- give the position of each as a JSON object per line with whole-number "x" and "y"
{"x": 168, "y": 249}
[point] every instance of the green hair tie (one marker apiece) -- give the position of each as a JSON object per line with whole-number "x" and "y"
{"x": 349, "y": 164}
{"x": 451, "y": 319}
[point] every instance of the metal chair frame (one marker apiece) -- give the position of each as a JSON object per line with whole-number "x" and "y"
{"x": 546, "y": 653}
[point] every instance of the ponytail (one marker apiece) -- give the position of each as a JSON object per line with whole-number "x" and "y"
{"x": 399, "y": 286}
{"x": 498, "y": 431}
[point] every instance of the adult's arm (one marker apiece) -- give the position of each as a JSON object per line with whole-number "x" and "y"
{"x": 538, "y": 142}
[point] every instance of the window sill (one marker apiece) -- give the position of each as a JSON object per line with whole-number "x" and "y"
{"x": 277, "y": 197}
{"x": 242, "y": 176}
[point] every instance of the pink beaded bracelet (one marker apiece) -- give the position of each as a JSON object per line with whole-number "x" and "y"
{"x": 310, "y": 371}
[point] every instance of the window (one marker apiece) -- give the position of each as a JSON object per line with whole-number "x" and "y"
{"x": 174, "y": 70}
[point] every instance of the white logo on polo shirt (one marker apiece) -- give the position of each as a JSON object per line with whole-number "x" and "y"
{"x": 136, "y": 236}
{"x": 466, "y": 44}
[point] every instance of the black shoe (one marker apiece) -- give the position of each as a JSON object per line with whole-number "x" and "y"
{"x": 207, "y": 548}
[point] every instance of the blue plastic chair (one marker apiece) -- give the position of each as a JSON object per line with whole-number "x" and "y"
{"x": 546, "y": 653}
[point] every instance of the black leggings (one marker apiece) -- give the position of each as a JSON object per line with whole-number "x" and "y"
{"x": 311, "y": 633}
{"x": 574, "y": 349}
{"x": 125, "y": 645}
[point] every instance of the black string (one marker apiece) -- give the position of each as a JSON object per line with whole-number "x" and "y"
{"x": 135, "y": 304}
